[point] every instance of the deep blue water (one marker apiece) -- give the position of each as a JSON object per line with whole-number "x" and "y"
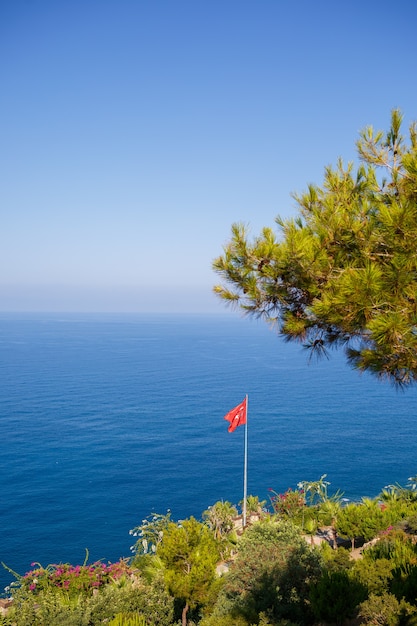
{"x": 107, "y": 418}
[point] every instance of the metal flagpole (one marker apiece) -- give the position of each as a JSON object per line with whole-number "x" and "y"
{"x": 245, "y": 466}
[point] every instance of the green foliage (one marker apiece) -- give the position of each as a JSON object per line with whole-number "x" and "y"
{"x": 253, "y": 505}
{"x": 364, "y": 520}
{"x": 397, "y": 493}
{"x": 271, "y": 574}
{"x": 224, "y": 620}
{"x": 343, "y": 273}
{"x": 55, "y": 607}
{"x": 315, "y": 491}
{"x": 48, "y": 607}
{"x": 274, "y": 579}
{"x": 336, "y": 560}
{"x": 219, "y": 518}
{"x": 149, "y": 534}
{"x": 290, "y": 504}
{"x": 150, "y": 599}
{"x": 396, "y": 546}
{"x": 390, "y": 566}
{"x": 376, "y": 575}
{"x": 349, "y": 522}
{"x": 404, "y": 582}
{"x": 74, "y": 580}
{"x": 190, "y": 554}
{"x": 384, "y": 610}
{"x": 336, "y": 597}
{"x": 411, "y": 523}
{"x": 128, "y": 619}
{"x": 328, "y": 511}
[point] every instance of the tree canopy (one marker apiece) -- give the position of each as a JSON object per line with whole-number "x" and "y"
{"x": 189, "y": 553}
{"x": 343, "y": 272}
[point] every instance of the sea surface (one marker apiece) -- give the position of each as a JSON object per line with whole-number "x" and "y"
{"x": 107, "y": 418}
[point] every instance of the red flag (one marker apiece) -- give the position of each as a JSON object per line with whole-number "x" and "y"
{"x": 237, "y": 416}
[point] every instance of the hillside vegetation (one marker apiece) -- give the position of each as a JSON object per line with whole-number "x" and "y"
{"x": 306, "y": 557}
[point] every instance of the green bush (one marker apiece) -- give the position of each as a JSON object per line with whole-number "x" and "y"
{"x": 394, "y": 545}
{"x": 272, "y": 575}
{"x": 336, "y": 560}
{"x": 411, "y": 524}
{"x": 149, "y": 599}
{"x": 224, "y": 620}
{"x": 404, "y": 583}
{"x": 49, "y": 607}
{"x": 336, "y": 597}
{"x": 375, "y": 575}
{"x": 128, "y": 619}
{"x": 56, "y": 608}
{"x": 385, "y": 610}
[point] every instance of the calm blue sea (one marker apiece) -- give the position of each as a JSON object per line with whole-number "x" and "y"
{"x": 107, "y": 418}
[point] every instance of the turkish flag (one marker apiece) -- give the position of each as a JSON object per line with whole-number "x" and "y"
{"x": 237, "y": 416}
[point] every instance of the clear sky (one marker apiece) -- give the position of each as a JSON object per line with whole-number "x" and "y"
{"x": 133, "y": 133}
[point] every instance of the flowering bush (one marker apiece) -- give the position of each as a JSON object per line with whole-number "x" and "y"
{"x": 288, "y": 504}
{"x": 74, "y": 579}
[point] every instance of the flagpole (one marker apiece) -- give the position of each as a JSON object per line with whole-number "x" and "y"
{"x": 245, "y": 466}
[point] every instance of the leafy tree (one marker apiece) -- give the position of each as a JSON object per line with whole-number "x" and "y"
{"x": 190, "y": 554}
{"x": 364, "y": 520}
{"x": 397, "y": 493}
{"x": 349, "y": 522}
{"x": 374, "y": 518}
{"x": 272, "y": 574}
{"x": 323, "y": 508}
{"x": 344, "y": 272}
{"x": 390, "y": 566}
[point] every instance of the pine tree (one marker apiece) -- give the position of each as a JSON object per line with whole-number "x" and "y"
{"x": 189, "y": 553}
{"x": 343, "y": 272}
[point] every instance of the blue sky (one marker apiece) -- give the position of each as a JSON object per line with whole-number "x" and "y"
{"x": 134, "y": 133}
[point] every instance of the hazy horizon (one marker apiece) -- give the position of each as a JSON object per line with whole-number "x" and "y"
{"x": 134, "y": 134}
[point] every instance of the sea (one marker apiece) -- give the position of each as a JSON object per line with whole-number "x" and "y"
{"x": 108, "y": 418}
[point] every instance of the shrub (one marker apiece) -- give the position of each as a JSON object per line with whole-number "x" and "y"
{"x": 384, "y": 610}
{"x": 375, "y": 575}
{"x": 128, "y": 619}
{"x": 55, "y": 607}
{"x": 336, "y": 597}
{"x": 73, "y": 579}
{"x": 336, "y": 560}
{"x": 271, "y": 574}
